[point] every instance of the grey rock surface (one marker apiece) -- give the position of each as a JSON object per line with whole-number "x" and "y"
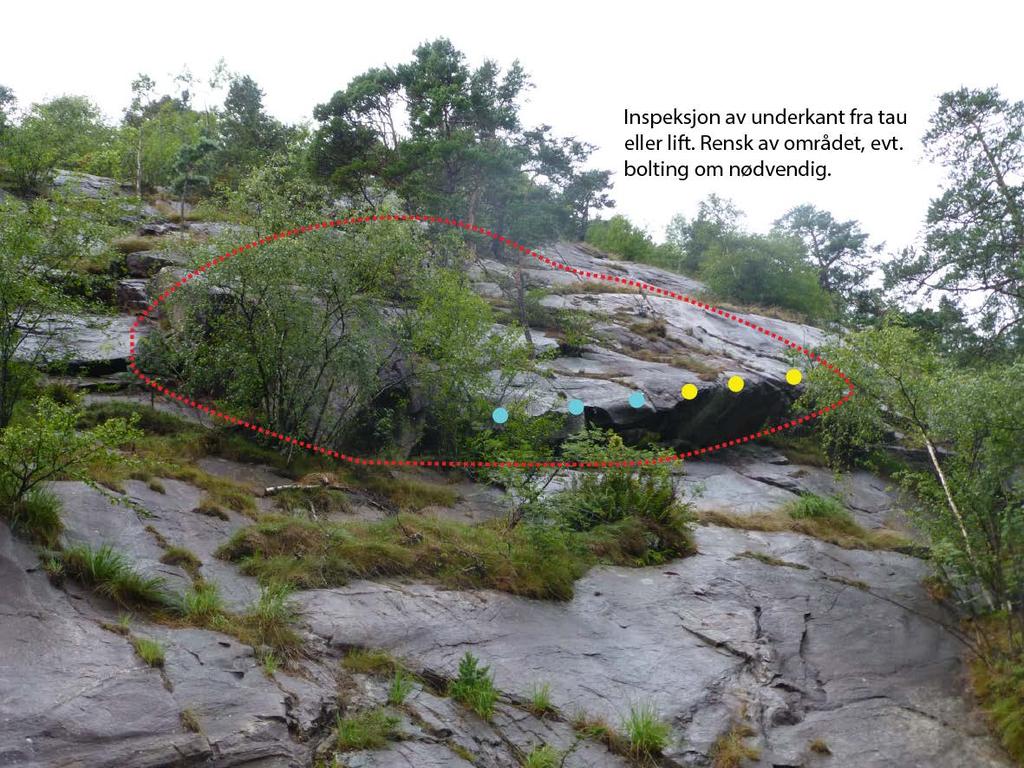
{"x": 145, "y": 264}
{"x": 87, "y": 343}
{"x": 86, "y": 184}
{"x": 752, "y": 479}
{"x": 811, "y": 653}
{"x": 132, "y": 294}
{"x": 691, "y": 346}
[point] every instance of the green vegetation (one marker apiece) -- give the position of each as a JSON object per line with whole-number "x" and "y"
{"x": 400, "y": 687}
{"x": 841, "y": 533}
{"x": 190, "y": 721}
{"x": 202, "y": 605}
{"x": 308, "y": 554}
{"x": 174, "y": 555}
{"x": 149, "y": 650}
{"x": 474, "y": 687}
{"x": 370, "y": 661}
{"x": 540, "y": 700}
{"x": 45, "y": 445}
{"x": 999, "y": 687}
{"x": 112, "y": 575}
{"x": 365, "y": 730}
{"x": 544, "y": 756}
{"x": 646, "y": 732}
{"x": 270, "y": 622}
{"x": 269, "y": 661}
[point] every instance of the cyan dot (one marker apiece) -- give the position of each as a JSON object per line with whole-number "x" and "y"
{"x": 575, "y": 407}
{"x": 637, "y": 400}
{"x": 500, "y": 415}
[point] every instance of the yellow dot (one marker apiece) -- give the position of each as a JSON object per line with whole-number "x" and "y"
{"x": 735, "y": 383}
{"x": 689, "y": 391}
{"x": 794, "y": 377}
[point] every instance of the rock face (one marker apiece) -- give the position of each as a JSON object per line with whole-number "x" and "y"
{"x": 132, "y": 294}
{"x": 811, "y": 652}
{"x": 74, "y": 693}
{"x": 86, "y": 184}
{"x": 93, "y": 344}
{"x": 145, "y": 264}
{"x": 654, "y": 345}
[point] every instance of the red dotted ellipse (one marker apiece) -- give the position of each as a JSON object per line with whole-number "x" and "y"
{"x": 313, "y": 448}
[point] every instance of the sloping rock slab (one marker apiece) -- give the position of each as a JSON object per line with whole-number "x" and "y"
{"x": 805, "y": 647}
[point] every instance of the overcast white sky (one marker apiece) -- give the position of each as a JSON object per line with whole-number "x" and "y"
{"x": 589, "y": 61}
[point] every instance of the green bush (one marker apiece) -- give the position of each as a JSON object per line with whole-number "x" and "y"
{"x": 474, "y": 687}
{"x": 621, "y": 498}
{"x": 577, "y": 329}
{"x": 620, "y": 237}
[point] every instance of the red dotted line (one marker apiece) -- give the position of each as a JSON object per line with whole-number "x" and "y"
{"x": 312, "y": 447}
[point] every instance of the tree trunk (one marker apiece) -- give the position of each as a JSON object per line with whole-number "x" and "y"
{"x": 956, "y": 513}
{"x": 138, "y": 167}
{"x": 521, "y": 303}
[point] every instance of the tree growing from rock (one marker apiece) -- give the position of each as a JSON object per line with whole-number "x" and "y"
{"x": 974, "y": 245}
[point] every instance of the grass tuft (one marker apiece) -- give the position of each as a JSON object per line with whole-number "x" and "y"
{"x": 544, "y": 756}
{"x": 202, "y": 605}
{"x": 183, "y": 557}
{"x": 150, "y": 651}
{"x": 646, "y": 732}
{"x": 269, "y": 622}
{"x": 369, "y": 661}
{"x": 365, "y": 730}
{"x": 111, "y": 574}
{"x": 190, "y": 721}
{"x": 540, "y": 700}
{"x": 400, "y": 688}
{"x": 847, "y": 536}
{"x": 999, "y": 687}
{"x": 730, "y": 749}
{"x": 36, "y": 516}
{"x": 771, "y": 560}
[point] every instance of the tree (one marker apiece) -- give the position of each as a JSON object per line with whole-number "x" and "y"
{"x": 968, "y": 422}
{"x": 66, "y": 132}
{"x": 142, "y": 97}
{"x": 974, "y": 245}
{"x": 766, "y": 270}
{"x": 7, "y": 103}
{"x": 48, "y": 445}
{"x": 190, "y": 165}
{"x": 248, "y": 133}
{"x": 838, "y": 249}
{"x": 163, "y": 126}
{"x": 28, "y": 296}
{"x": 465, "y": 152}
{"x": 717, "y": 220}
{"x": 330, "y": 335}
{"x": 618, "y": 235}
